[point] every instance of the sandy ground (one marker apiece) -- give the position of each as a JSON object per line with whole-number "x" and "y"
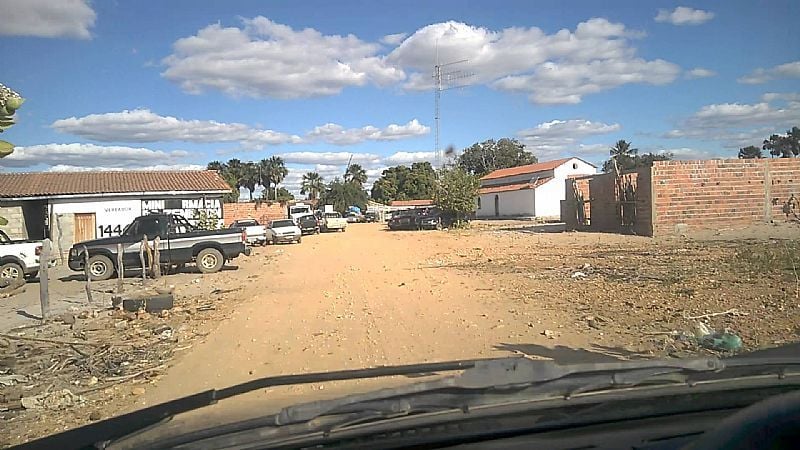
{"x": 371, "y": 297}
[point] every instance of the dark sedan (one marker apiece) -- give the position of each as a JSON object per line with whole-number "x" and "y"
{"x": 418, "y": 219}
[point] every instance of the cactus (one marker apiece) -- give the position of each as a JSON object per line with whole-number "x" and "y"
{"x": 10, "y": 102}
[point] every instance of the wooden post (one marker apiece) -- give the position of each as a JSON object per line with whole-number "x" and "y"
{"x": 60, "y": 247}
{"x": 44, "y": 293}
{"x": 120, "y": 269}
{"x": 88, "y": 274}
{"x": 156, "y": 258}
{"x": 142, "y": 250}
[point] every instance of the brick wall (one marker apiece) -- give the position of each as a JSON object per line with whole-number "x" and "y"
{"x": 603, "y": 209}
{"x": 263, "y": 212}
{"x": 16, "y": 221}
{"x": 717, "y": 193}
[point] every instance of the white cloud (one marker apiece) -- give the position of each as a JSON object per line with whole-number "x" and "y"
{"x": 761, "y": 75}
{"x": 687, "y": 153}
{"x": 740, "y": 124}
{"x": 787, "y": 96}
{"x": 90, "y": 156}
{"x": 405, "y": 158}
{"x": 559, "y": 68}
{"x": 267, "y": 59}
{"x": 47, "y": 18}
{"x": 699, "y": 72}
{"x": 329, "y": 158}
{"x": 142, "y": 125}
{"x": 683, "y": 15}
{"x": 562, "y": 137}
{"x": 158, "y": 167}
{"x": 336, "y": 134}
{"x": 394, "y": 39}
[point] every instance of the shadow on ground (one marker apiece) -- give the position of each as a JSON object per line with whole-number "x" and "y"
{"x": 568, "y": 355}
{"x": 138, "y": 273}
{"x": 538, "y": 228}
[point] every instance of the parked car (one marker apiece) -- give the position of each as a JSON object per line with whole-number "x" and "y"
{"x": 371, "y": 217}
{"x": 308, "y": 224}
{"x": 19, "y": 258}
{"x": 419, "y": 219}
{"x": 181, "y": 243}
{"x": 354, "y": 217}
{"x": 283, "y": 230}
{"x": 332, "y": 221}
{"x": 255, "y": 233}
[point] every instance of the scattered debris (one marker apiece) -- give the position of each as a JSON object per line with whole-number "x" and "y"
{"x": 55, "y": 400}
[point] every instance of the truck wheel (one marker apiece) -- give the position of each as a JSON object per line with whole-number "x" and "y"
{"x": 299, "y": 239}
{"x": 100, "y": 268}
{"x": 11, "y": 272}
{"x": 210, "y": 260}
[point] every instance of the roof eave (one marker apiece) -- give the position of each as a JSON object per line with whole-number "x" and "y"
{"x": 113, "y": 194}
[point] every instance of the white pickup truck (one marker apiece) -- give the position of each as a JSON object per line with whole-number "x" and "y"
{"x": 255, "y": 233}
{"x": 333, "y": 221}
{"x": 19, "y": 259}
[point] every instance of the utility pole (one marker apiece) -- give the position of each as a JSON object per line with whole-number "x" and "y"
{"x": 444, "y": 81}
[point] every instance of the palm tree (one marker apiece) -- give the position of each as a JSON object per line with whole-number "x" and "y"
{"x": 250, "y": 177}
{"x": 312, "y": 185}
{"x": 273, "y": 171}
{"x": 623, "y": 157}
{"x": 623, "y": 148}
{"x": 356, "y": 174}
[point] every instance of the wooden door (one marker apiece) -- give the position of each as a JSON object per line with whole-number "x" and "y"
{"x": 84, "y": 227}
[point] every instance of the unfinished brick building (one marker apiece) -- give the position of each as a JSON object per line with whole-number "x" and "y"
{"x": 677, "y": 196}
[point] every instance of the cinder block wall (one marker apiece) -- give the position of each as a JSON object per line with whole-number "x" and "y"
{"x": 16, "y": 221}
{"x": 263, "y": 212}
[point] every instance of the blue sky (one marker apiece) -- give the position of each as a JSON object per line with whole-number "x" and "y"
{"x": 153, "y": 84}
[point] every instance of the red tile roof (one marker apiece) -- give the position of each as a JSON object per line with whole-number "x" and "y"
{"x": 513, "y": 187}
{"x": 411, "y": 203}
{"x": 44, "y": 184}
{"x": 530, "y": 168}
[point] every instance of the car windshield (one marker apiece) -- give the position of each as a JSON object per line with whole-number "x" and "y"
{"x": 577, "y": 181}
{"x": 282, "y": 223}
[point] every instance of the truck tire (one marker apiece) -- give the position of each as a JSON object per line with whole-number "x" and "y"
{"x": 210, "y": 260}
{"x": 299, "y": 239}
{"x": 100, "y": 267}
{"x": 12, "y": 272}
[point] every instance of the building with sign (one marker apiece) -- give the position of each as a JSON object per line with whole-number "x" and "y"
{"x": 71, "y": 207}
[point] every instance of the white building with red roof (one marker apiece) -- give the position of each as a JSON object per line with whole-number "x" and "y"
{"x": 533, "y": 190}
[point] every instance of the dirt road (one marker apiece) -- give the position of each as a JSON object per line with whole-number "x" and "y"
{"x": 361, "y": 298}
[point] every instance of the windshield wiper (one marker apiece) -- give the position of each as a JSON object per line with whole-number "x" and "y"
{"x": 479, "y": 378}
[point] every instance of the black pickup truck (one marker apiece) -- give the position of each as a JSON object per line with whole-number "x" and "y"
{"x": 180, "y": 243}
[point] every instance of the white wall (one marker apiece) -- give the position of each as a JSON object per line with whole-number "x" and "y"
{"x": 574, "y": 167}
{"x": 111, "y": 214}
{"x": 550, "y": 194}
{"x": 512, "y": 203}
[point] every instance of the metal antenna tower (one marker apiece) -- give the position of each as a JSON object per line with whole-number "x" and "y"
{"x": 444, "y": 81}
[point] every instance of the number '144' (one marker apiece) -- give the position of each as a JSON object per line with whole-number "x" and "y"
{"x": 107, "y": 231}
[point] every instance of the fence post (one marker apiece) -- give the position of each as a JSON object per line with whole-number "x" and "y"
{"x": 88, "y": 274}
{"x": 44, "y": 292}
{"x": 120, "y": 269}
{"x": 156, "y": 258}
{"x": 142, "y": 249}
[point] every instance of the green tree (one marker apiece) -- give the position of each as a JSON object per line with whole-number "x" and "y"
{"x": 250, "y": 177}
{"x": 281, "y": 195}
{"x": 750, "y": 152}
{"x": 457, "y": 192}
{"x": 273, "y": 171}
{"x": 230, "y": 177}
{"x": 312, "y": 185}
{"x": 784, "y": 146}
{"x": 628, "y": 158}
{"x": 484, "y": 157}
{"x": 404, "y": 183}
{"x": 356, "y": 174}
{"x": 342, "y": 194}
